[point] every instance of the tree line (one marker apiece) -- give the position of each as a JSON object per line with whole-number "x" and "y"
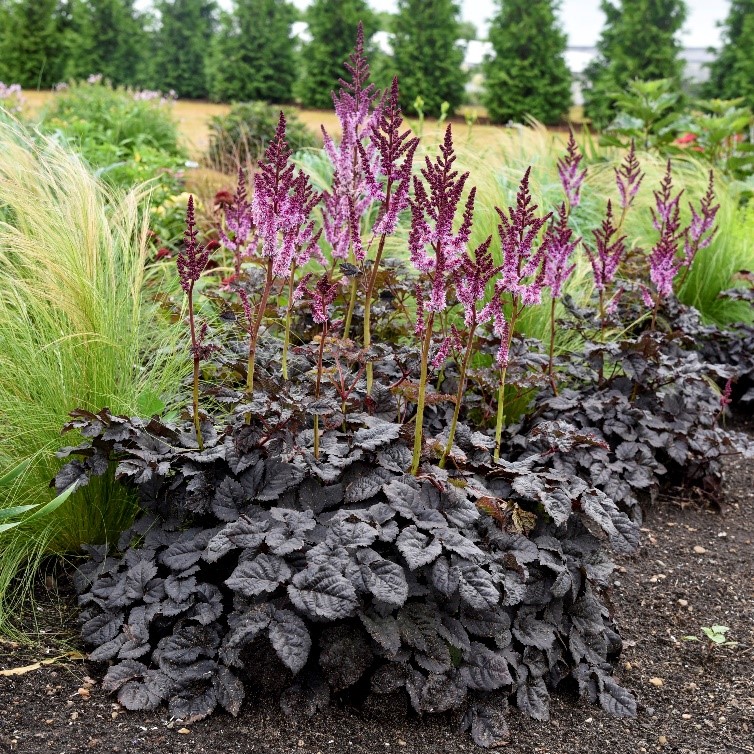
{"x": 249, "y": 52}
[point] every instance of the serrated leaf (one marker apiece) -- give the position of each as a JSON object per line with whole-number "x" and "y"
{"x": 533, "y": 632}
{"x": 263, "y": 574}
{"x": 485, "y": 670}
{"x": 615, "y": 699}
{"x": 477, "y": 588}
{"x": 487, "y": 726}
{"x": 532, "y": 698}
{"x": 417, "y": 548}
{"x": 229, "y": 690}
{"x": 367, "y": 485}
{"x": 102, "y": 628}
{"x": 290, "y": 639}
{"x": 323, "y": 593}
{"x": 376, "y": 435}
{"x": 117, "y": 675}
{"x": 193, "y": 708}
{"x": 385, "y": 580}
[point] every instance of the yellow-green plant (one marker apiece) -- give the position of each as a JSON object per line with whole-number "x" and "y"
{"x": 74, "y": 331}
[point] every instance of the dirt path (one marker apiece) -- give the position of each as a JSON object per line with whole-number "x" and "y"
{"x": 695, "y": 568}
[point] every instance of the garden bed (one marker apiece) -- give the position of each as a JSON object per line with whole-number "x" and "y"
{"x": 704, "y": 705}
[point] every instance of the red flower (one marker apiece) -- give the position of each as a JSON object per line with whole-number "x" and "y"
{"x": 686, "y": 139}
{"x": 162, "y": 253}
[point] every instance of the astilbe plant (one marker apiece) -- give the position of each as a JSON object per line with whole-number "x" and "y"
{"x": 305, "y": 531}
{"x": 192, "y": 259}
{"x": 523, "y": 275}
{"x": 437, "y": 250}
{"x": 352, "y": 194}
{"x": 389, "y": 181}
{"x": 280, "y": 211}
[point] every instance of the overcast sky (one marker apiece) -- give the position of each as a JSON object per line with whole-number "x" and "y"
{"x": 582, "y": 19}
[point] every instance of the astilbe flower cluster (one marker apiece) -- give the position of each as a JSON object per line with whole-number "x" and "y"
{"x": 436, "y": 249}
{"x": 524, "y": 252}
{"x": 666, "y": 218}
{"x": 281, "y": 207}
{"x": 570, "y": 172}
{"x": 353, "y": 159}
{"x": 628, "y": 178}
{"x": 388, "y": 180}
{"x": 237, "y": 232}
{"x": 701, "y": 230}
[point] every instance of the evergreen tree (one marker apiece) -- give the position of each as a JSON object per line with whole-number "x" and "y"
{"x": 109, "y": 37}
{"x": 253, "y": 55}
{"x": 732, "y": 72}
{"x": 527, "y": 72}
{"x": 427, "y": 56}
{"x": 31, "y": 43}
{"x": 332, "y": 25}
{"x": 183, "y": 39}
{"x": 638, "y": 41}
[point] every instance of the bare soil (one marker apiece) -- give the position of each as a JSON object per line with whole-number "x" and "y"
{"x": 695, "y": 568}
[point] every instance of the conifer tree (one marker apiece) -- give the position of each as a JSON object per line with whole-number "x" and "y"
{"x": 332, "y": 26}
{"x": 31, "y": 43}
{"x": 732, "y": 72}
{"x": 427, "y": 56}
{"x": 526, "y": 74}
{"x": 253, "y": 55}
{"x": 183, "y": 40}
{"x": 638, "y": 41}
{"x": 109, "y": 37}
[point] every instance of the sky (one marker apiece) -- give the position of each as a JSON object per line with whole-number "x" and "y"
{"x": 582, "y": 19}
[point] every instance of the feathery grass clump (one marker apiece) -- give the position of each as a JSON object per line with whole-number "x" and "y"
{"x": 74, "y": 331}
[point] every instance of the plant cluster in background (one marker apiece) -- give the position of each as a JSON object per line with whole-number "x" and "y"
{"x": 11, "y": 98}
{"x": 655, "y": 116}
{"x": 347, "y": 492}
{"x": 241, "y": 137}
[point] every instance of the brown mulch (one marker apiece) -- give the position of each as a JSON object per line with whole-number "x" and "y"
{"x": 694, "y": 699}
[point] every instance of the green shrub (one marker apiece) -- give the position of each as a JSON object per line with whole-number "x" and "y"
{"x": 73, "y": 331}
{"x": 242, "y": 135}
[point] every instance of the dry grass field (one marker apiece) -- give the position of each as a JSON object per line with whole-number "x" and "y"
{"x": 193, "y": 119}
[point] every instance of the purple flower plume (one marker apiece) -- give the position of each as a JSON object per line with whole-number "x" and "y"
{"x": 323, "y": 295}
{"x": 523, "y": 254}
{"x": 282, "y": 204}
{"x": 701, "y": 229}
{"x": 523, "y": 270}
{"x": 471, "y": 278}
{"x": 351, "y": 193}
{"x": 609, "y": 250}
{"x": 666, "y": 217}
{"x": 237, "y": 234}
{"x": 560, "y": 246}
{"x": 435, "y": 248}
{"x": 389, "y": 177}
{"x": 192, "y": 258}
{"x": 628, "y": 178}
{"x": 571, "y": 177}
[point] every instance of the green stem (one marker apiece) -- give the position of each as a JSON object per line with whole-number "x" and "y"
{"x": 195, "y": 391}
{"x": 551, "y": 370}
{"x": 459, "y": 395}
{"x": 351, "y": 307}
{"x": 419, "y": 420}
{"x": 370, "y": 290}
{"x": 288, "y": 316}
{"x": 320, "y": 358}
{"x": 500, "y": 413}
{"x": 254, "y": 334}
